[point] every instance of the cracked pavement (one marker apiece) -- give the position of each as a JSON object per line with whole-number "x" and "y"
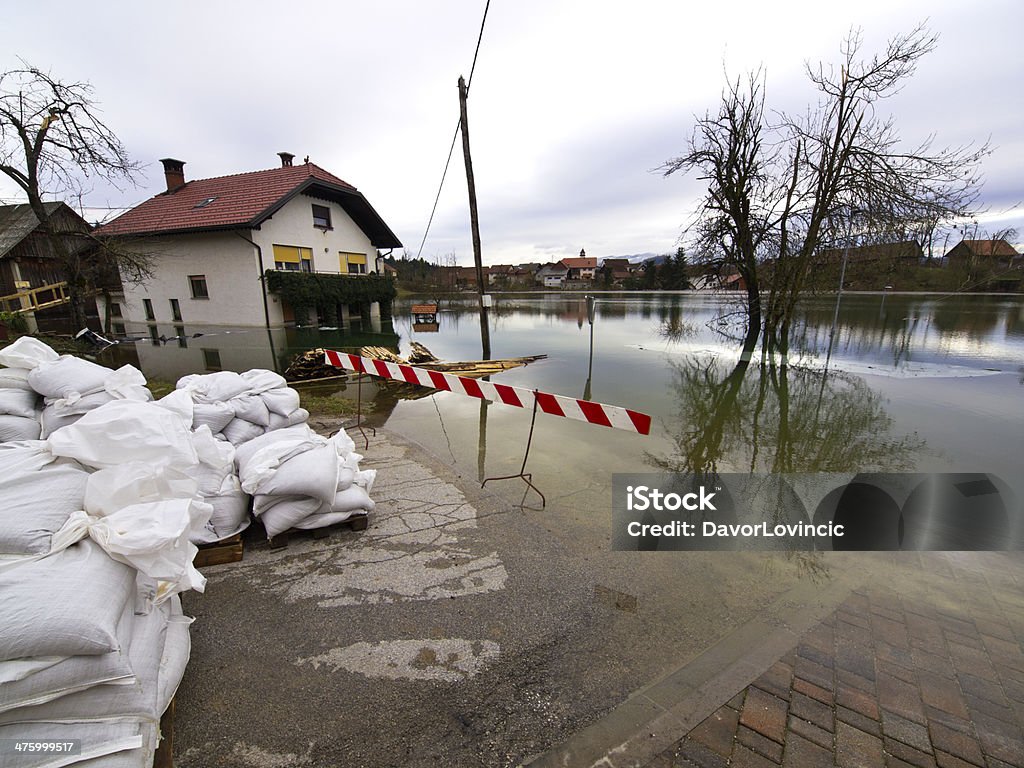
{"x": 458, "y": 629}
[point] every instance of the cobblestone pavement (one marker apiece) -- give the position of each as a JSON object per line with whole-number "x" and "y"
{"x": 926, "y": 669}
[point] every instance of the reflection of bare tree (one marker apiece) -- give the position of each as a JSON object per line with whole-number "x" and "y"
{"x": 672, "y": 328}
{"x": 782, "y": 419}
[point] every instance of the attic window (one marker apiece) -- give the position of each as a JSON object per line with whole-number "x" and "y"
{"x": 204, "y": 203}
{"x": 321, "y": 217}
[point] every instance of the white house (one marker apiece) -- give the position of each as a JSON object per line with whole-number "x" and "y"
{"x": 212, "y": 241}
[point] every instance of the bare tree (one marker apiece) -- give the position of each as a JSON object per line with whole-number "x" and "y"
{"x": 51, "y": 141}
{"x": 779, "y": 195}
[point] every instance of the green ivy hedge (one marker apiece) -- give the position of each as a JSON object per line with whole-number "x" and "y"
{"x": 305, "y": 290}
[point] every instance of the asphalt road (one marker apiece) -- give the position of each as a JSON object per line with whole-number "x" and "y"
{"x": 456, "y": 630}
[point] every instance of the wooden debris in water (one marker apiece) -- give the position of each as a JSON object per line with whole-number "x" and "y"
{"x": 310, "y": 365}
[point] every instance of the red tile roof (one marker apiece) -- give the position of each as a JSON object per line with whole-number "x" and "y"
{"x": 581, "y": 263}
{"x": 989, "y": 247}
{"x": 241, "y": 199}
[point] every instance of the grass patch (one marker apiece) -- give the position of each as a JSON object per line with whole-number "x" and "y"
{"x": 330, "y": 405}
{"x": 160, "y": 387}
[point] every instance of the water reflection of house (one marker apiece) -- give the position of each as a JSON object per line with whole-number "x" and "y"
{"x": 213, "y": 240}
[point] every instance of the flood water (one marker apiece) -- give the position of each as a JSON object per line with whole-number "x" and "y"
{"x": 905, "y": 382}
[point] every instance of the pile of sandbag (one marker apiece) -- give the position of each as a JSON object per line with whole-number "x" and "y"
{"x": 238, "y": 407}
{"x": 299, "y": 479}
{"x": 69, "y": 386}
{"x": 95, "y": 534}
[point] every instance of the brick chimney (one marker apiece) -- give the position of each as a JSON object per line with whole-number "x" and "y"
{"x": 286, "y": 159}
{"x": 174, "y": 173}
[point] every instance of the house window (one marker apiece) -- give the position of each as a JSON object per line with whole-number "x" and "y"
{"x": 175, "y": 310}
{"x": 352, "y": 263}
{"x": 118, "y": 328}
{"x": 211, "y": 359}
{"x": 115, "y": 309}
{"x": 197, "y": 285}
{"x": 154, "y": 335}
{"x": 321, "y": 217}
{"x": 293, "y": 258}
{"x": 179, "y": 331}
{"x": 147, "y": 306}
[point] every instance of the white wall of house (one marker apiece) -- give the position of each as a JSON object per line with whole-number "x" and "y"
{"x": 228, "y": 264}
{"x": 232, "y": 267}
{"x": 293, "y": 226}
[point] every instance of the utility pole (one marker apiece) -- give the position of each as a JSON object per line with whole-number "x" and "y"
{"x": 485, "y": 332}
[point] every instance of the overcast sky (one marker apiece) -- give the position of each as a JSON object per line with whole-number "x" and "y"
{"x": 573, "y": 104}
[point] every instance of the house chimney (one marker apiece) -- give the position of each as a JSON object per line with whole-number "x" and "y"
{"x": 286, "y": 159}
{"x": 174, "y": 173}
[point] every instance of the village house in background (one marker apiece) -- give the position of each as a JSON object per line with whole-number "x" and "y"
{"x": 215, "y": 244}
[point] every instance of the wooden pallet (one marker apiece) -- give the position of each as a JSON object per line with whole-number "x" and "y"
{"x": 354, "y": 523}
{"x": 227, "y": 551}
{"x": 164, "y": 756}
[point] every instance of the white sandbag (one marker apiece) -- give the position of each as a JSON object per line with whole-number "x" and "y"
{"x": 259, "y": 458}
{"x": 250, "y": 408}
{"x": 110, "y": 490}
{"x": 24, "y": 456}
{"x": 97, "y": 740}
{"x": 37, "y": 502}
{"x": 68, "y": 375}
{"x": 298, "y": 416}
{"x": 66, "y": 604}
{"x": 152, "y": 537}
{"x": 344, "y": 444}
{"x": 17, "y": 428}
{"x": 27, "y": 352}
{"x": 214, "y": 415}
{"x": 239, "y": 431}
{"x": 50, "y": 422}
{"x": 278, "y": 514}
{"x": 177, "y": 648}
{"x": 213, "y": 387}
{"x": 137, "y": 699}
{"x": 352, "y": 499}
{"x": 311, "y": 473}
{"x": 125, "y": 430}
{"x": 230, "y": 509}
{"x": 78, "y": 404}
{"x": 70, "y": 674}
{"x": 180, "y": 403}
{"x": 259, "y": 380}
{"x": 282, "y": 401}
{"x": 15, "y": 378}
{"x": 216, "y": 461}
{"x": 69, "y": 411}
{"x": 18, "y": 402}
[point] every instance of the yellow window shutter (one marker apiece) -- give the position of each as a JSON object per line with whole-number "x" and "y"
{"x": 357, "y": 258}
{"x": 287, "y": 254}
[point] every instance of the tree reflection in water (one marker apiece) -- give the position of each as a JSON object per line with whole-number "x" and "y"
{"x": 765, "y": 416}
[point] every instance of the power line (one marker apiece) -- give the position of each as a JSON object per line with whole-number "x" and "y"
{"x": 455, "y": 136}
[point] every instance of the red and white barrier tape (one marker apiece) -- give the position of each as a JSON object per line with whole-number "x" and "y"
{"x": 557, "y": 405}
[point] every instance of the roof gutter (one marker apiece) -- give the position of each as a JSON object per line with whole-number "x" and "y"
{"x": 262, "y": 277}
